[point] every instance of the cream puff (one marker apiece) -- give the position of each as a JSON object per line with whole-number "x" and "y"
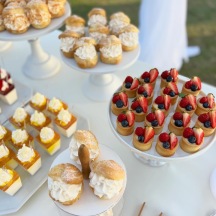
{"x": 97, "y": 15}
{"x": 56, "y": 8}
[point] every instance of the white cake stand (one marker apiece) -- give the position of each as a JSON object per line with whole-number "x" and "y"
{"x": 4, "y": 45}
{"x": 102, "y": 81}
{"x": 39, "y": 64}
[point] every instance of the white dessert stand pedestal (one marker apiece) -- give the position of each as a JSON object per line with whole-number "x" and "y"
{"x": 39, "y": 64}
{"x": 4, "y": 45}
{"x": 102, "y": 81}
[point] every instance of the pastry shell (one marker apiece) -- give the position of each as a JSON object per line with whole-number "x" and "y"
{"x": 207, "y": 131}
{"x": 188, "y": 147}
{"x": 124, "y": 131}
{"x": 165, "y": 152}
{"x": 200, "y": 109}
{"x": 97, "y": 11}
{"x": 116, "y": 111}
{"x": 189, "y": 91}
{"x": 75, "y": 20}
{"x": 140, "y": 145}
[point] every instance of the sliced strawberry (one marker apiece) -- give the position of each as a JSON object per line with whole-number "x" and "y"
{"x": 199, "y": 134}
{"x": 115, "y": 98}
{"x": 164, "y": 137}
{"x": 196, "y": 80}
{"x": 192, "y": 100}
{"x": 159, "y": 100}
{"x": 173, "y": 87}
{"x": 128, "y": 79}
{"x": 165, "y": 74}
{"x": 184, "y": 102}
{"x": 123, "y": 96}
{"x": 141, "y": 89}
{"x": 167, "y": 102}
{"x": 188, "y": 132}
{"x": 150, "y": 117}
{"x": 188, "y": 84}
{"x": 212, "y": 115}
{"x": 153, "y": 74}
{"x": 130, "y": 117}
{"x": 149, "y": 133}
{"x": 143, "y": 103}
{"x": 149, "y": 88}
{"x": 166, "y": 90}
{"x": 134, "y": 84}
{"x": 160, "y": 116}
{"x": 186, "y": 119}
{"x": 145, "y": 75}
{"x": 134, "y": 105}
{"x": 203, "y": 100}
{"x": 139, "y": 131}
{"x": 122, "y": 117}
{"x": 211, "y": 101}
{"x": 178, "y": 116}
{"x": 204, "y": 117}
{"x": 173, "y": 140}
{"x": 174, "y": 74}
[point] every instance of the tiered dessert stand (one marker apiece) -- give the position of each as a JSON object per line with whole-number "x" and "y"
{"x": 4, "y": 45}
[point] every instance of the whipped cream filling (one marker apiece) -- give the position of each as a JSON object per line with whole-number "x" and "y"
{"x": 62, "y": 191}
{"x": 54, "y": 7}
{"x": 25, "y": 154}
{"x": 38, "y": 99}
{"x": 94, "y": 19}
{"x": 129, "y": 39}
{"x": 19, "y": 136}
{"x": 19, "y": 114}
{"x": 116, "y": 24}
{"x": 46, "y": 134}
{"x": 4, "y": 152}
{"x": 104, "y": 187}
{"x": 2, "y": 131}
{"x": 5, "y": 86}
{"x": 37, "y": 17}
{"x": 77, "y": 29}
{"x": 97, "y": 36}
{"x": 67, "y": 43}
{"x": 86, "y": 52}
{"x": 37, "y": 118}
{"x": 111, "y": 51}
{"x": 5, "y": 176}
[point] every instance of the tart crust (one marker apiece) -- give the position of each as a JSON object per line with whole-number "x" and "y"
{"x": 140, "y": 145}
{"x": 188, "y": 147}
{"x": 165, "y": 152}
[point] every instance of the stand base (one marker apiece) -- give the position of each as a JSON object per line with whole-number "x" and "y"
{"x": 4, "y": 45}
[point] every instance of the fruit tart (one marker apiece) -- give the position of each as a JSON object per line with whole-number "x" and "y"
{"x": 139, "y": 107}
{"x": 119, "y": 103}
{"x": 187, "y": 104}
{"x": 125, "y": 123}
{"x": 172, "y": 90}
{"x": 143, "y": 138}
{"x": 207, "y": 121}
{"x": 169, "y": 76}
{"x": 192, "y": 86}
{"x": 147, "y": 91}
{"x": 162, "y": 102}
{"x": 167, "y": 144}
{"x": 38, "y": 102}
{"x": 205, "y": 104}
{"x": 130, "y": 86}
{"x": 178, "y": 122}
{"x": 156, "y": 120}
{"x": 192, "y": 139}
{"x": 149, "y": 77}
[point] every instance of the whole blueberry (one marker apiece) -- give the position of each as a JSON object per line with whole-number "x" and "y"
{"x": 145, "y": 94}
{"x": 147, "y": 80}
{"x": 141, "y": 138}
{"x": 188, "y": 107}
{"x": 207, "y": 124}
{"x": 127, "y": 85}
{"x": 172, "y": 93}
{"x": 154, "y": 123}
{"x": 193, "y": 87}
{"x": 192, "y": 139}
{"x": 124, "y": 123}
{"x": 166, "y": 145}
{"x": 178, "y": 123}
{"x": 206, "y": 105}
{"x": 161, "y": 106}
{"x": 169, "y": 78}
{"x": 139, "y": 109}
{"x": 119, "y": 103}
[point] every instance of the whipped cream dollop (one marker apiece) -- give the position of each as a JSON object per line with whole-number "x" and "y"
{"x": 104, "y": 187}
{"x": 37, "y": 118}
{"x": 2, "y": 131}
{"x": 55, "y": 104}
{"x": 4, "y": 85}
{"x": 129, "y": 38}
{"x": 38, "y": 99}
{"x": 62, "y": 191}
{"x": 25, "y": 154}
{"x": 46, "y": 134}
{"x": 64, "y": 117}
{"x": 20, "y": 114}
{"x": 111, "y": 51}
{"x": 37, "y": 17}
{"x": 5, "y": 176}
{"x": 86, "y": 52}
{"x": 94, "y": 19}
{"x": 77, "y": 29}
{"x": 4, "y": 151}
{"x": 97, "y": 36}
{"x": 116, "y": 24}
{"x": 67, "y": 43}
{"x": 19, "y": 136}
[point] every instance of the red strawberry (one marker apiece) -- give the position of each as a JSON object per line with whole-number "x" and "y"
{"x": 186, "y": 119}
{"x": 166, "y": 90}
{"x": 143, "y": 103}
{"x": 184, "y": 102}
{"x": 139, "y": 131}
{"x": 150, "y": 117}
{"x": 167, "y": 102}
{"x": 204, "y": 117}
{"x": 173, "y": 87}
{"x": 115, "y": 98}
{"x": 173, "y": 140}
{"x": 203, "y": 100}
{"x": 199, "y": 134}
{"x": 159, "y": 100}
{"x": 174, "y": 74}
{"x": 149, "y": 133}
{"x": 149, "y": 88}
{"x": 165, "y": 74}
{"x": 145, "y": 75}
{"x": 188, "y": 132}
{"x": 128, "y": 79}
{"x": 130, "y": 117}
{"x": 122, "y": 117}
{"x": 164, "y": 137}
{"x": 192, "y": 100}
{"x": 159, "y": 116}
{"x": 141, "y": 89}
{"x": 211, "y": 101}
{"x": 123, "y": 96}
{"x": 212, "y": 115}
{"x": 196, "y": 80}
{"x": 134, "y": 105}
{"x": 153, "y": 74}
{"x": 188, "y": 84}
{"x": 178, "y": 116}
{"x": 134, "y": 84}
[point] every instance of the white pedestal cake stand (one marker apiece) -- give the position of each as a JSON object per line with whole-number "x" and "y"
{"x": 39, "y": 64}
{"x": 102, "y": 81}
{"x": 4, "y": 45}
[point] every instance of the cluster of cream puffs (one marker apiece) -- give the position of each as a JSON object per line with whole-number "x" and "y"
{"x": 134, "y": 103}
{"x": 108, "y": 38}
{"x": 16, "y": 16}
{"x": 106, "y": 177}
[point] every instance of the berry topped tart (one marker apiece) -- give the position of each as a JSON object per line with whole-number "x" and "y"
{"x": 140, "y": 107}
{"x": 156, "y": 120}
{"x": 169, "y": 76}
{"x": 192, "y": 86}
{"x": 125, "y": 123}
{"x": 147, "y": 91}
{"x": 178, "y": 122}
{"x": 119, "y": 103}
{"x": 192, "y": 139}
{"x": 205, "y": 104}
{"x": 162, "y": 102}
{"x": 143, "y": 138}
{"x": 130, "y": 86}
{"x": 149, "y": 77}
{"x": 172, "y": 90}
{"x": 187, "y": 104}
{"x": 166, "y": 144}
{"x": 207, "y": 121}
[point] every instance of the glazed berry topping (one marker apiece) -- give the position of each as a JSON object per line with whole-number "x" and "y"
{"x": 178, "y": 116}
{"x": 169, "y": 78}
{"x": 159, "y": 100}
{"x": 206, "y": 105}
{"x": 165, "y": 74}
{"x": 161, "y": 106}
{"x": 154, "y": 123}
{"x": 188, "y": 84}
{"x": 129, "y": 79}
{"x": 119, "y": 103}
{"x": 193, "y": 87}
{"x": 145, "y": 94}
{"x": 153, "y": 74}
{"x": 199, "y": 134}
{"x": 127, "y": 85}
{"x": 166, "y": 145}
{"x": 188, "y": 107}
{"x": 203, "y": 100}
{"x": 139, "y": 131}
{"x": 184, "y": 102}
{"x": 145, "y": 75}
{"x": 150, "y": 117}
{"x": 139, "y": 109}
{"x": 141, "y": 138}
{"x": 122, "y": 117}
{"x": 134, "y": 84}
{"x": 134, "y": 105}
{"x": 164, "y": 137}
{"x": 147, "y": 80}
{"x": 178, "y": 123}
{"x": 204, "y": 117}
{"x": 115, "y": 98}
{"x": 141, "y": 89}
{"x": 207, "y": 124}
{"x": 188, "y": 132}
{"x": 192, "y": 139}
{"x": 172, "y": 93}
{"x": 166, "y": 90}
{"x": 124, "y": 123}
{"x": 212, "y": 115}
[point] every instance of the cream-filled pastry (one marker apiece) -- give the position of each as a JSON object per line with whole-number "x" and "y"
{"x": 38, "y": 102}
{"x": 21, "y": 3}
{"x": 56, "y": 8}
{"x": 97, "y": 15}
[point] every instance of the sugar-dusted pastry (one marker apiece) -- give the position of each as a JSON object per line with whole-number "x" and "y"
{"x": 86, "y": 138}
{"x": 10, "y": 181}
{"x": 21, "y": 3}
{"x": 172, "y": 90}
{"x": 5, "y": 134}
{"x": 192, "y": 86}
{"x": 29, "y": 159}
{"x": 149, "y": 77}
{"x": 167, "y": 144}
{"x": 38, "y": 14}
{"x": 119, "y": 103}
{"x": 15, "y": 19}
{"x": 49, "y": 140}
{"x": 162, "y": 102}
{"x": 66, "y": 122}
{"x": 65, "y": 183}
{"x": 68, "y": 39}
{"x": 56, "y": 8}
{"x": 147, "y": 91}
{"x": 192, "y": 139}
{"x": 38, "y": 102}
{"x": 130, "y": 86}
{"x": 169, "y": 76}
{"x": 97, "y": 15}
{"x": 110, "y": 50}
{"x": 143, "y": 138}
{"x": 107, "y": 178}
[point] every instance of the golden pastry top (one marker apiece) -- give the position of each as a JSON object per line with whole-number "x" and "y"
{"x": 99, "y": 28}
{"x": 97, "y": 11}
{"x": 120, "y": 16}
{"x": 129, "y": 28}
{"x": 74, "y": 20}
{"x": 69, "y": 33}
{"x": 109, "y": 40}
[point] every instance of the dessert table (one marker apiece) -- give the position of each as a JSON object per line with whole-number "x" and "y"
{"x": 178, "y": 188}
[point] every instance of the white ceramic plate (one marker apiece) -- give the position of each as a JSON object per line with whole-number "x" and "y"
{"x": 89, "y": 204}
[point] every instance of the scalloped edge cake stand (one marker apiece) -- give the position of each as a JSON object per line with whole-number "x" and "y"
{"x": 4, "y": 45}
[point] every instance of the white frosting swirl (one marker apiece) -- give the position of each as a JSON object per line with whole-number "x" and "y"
{"x": 2, "y": 131}
{"x": 64, "y": 116}
{"x": 129, "y": 39}
{"x": 25, "y": 154}
{"x": 38, "y": 99}
{"x": 104, "y": 187}
{"x": 77, "y": 29}
{"x": 55, "y": 104}
{"x": 86, "y": 52}
{"x": 111, "y": 51}
{"x": 37, "y": 118}
{"x": 19, "y": 114}
{"x": 5, "y": 86}
{"x": 4, "y": 152}
{"x": 19, "y": 136}
{"x": 46, "y": 134}
{"x": 67, "y": 43}
{"x": 5, "y": 176}
{"x": 94, "y": 19}
{"x": 97, "y": 36}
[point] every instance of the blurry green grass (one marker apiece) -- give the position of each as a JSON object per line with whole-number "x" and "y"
{"x": 201, "y": 27}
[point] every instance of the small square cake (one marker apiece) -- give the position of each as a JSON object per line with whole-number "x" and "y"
{"x": 8, "y": 92}
{"x": 5, "y": 134}
{"x": 38, "y": 102}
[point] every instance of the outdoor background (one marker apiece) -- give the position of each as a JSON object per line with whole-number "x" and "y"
{"x": 201, "y": 28}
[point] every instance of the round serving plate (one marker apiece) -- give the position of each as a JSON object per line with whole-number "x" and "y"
{"x": 151, "y": 157}
{"x": 89, "y": 204}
